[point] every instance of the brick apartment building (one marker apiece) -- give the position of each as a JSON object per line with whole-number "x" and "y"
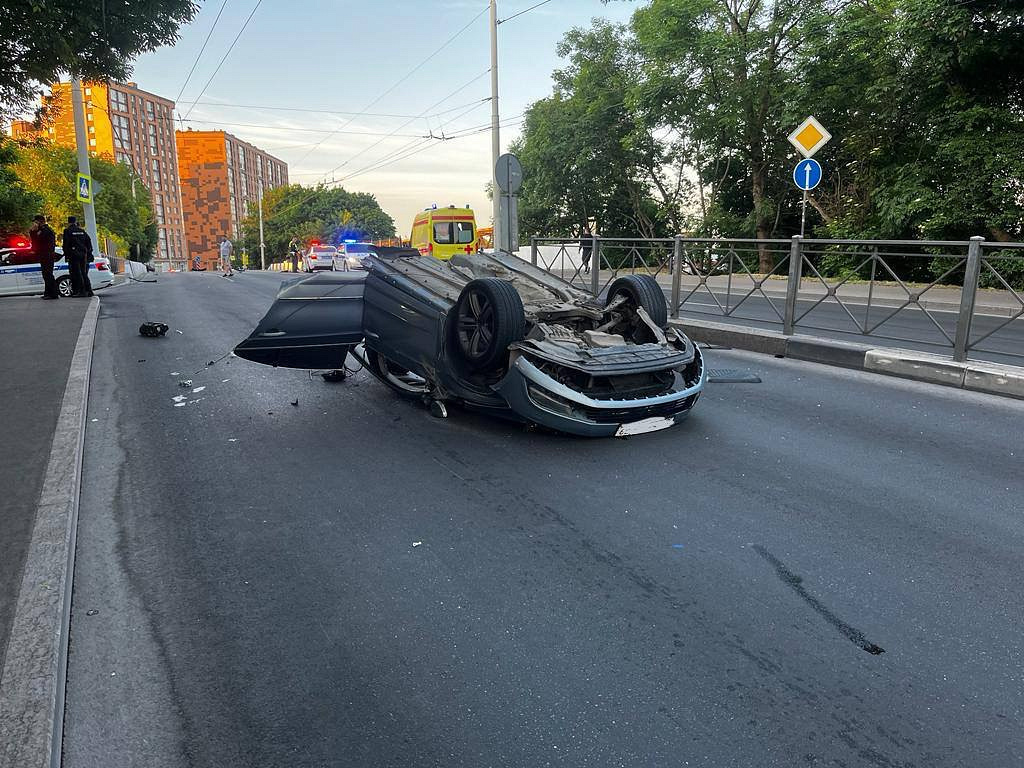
{"x": 221, "y": 176}
{"x": 130, "y": 126}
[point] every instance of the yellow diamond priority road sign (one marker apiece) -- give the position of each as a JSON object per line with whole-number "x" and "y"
{"x": 809, "y": 137}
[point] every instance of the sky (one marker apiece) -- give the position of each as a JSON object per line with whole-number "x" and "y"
{"x": 372, "y": 59}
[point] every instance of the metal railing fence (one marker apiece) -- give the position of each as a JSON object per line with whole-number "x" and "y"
{"x": 970, "y": 293}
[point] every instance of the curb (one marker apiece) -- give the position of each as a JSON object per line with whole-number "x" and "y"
{"x": 977, "y": 376}
{"x": 35, "y": 667}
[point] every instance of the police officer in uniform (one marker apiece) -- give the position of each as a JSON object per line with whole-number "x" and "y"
{"x": 77, "y": 247}
{"x": 44, "y": 243}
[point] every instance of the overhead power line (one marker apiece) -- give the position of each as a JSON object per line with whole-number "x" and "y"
{"x": 407, "y": 75}
{"x": 207, "y": 40}
{"x": 367, "y": 149}
{"x": 526, "y": 10}
{"x": 290, "y": 129}
{"x": 226, "y": 54}
{"x": 317, "y": 111}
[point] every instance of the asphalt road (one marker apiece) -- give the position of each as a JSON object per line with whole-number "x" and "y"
{"x": 820, "y": 570}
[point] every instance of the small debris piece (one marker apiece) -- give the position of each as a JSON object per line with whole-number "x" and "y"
{"x": 185, "y": 383}
{"x": 438, "y": 409}
{"x": 232, "y": 439}
{"x": 142, "y": 360}
{"x": 95, "y": 420}
{"x": 333, "y": 377}
{"x": 153, "y": 329}
{"x": 91, "y": 612}
{"x": 177, "y": 331}
{"x": 198, "y": 389}
{"x": 212, "y": 362}
{"x": 417, "y": 543}
{"x": 295, "y": 402}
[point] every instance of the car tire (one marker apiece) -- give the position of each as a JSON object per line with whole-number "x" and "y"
{"x": 64, "y": 286}
{"x": 642, "y": 291}
{"x": 489, "y": 316}
{"x": 405, "y": 383}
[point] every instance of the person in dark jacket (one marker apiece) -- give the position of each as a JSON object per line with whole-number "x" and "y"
{"x": 44, "y": 244}
{"x": 586, "y": 247}
{"x": 77, "y": 247}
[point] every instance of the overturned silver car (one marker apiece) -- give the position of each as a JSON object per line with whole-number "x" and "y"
{"x": 493, "y": 332}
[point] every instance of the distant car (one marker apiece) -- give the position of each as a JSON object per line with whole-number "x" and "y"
{"x": 318, "y": 257}
{"x": 492, "y": 332}
{"x": 352, "y": 256}
{"x": 21, "y": 275}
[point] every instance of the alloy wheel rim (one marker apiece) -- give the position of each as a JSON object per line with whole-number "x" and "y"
{"x": 476, "y": 325}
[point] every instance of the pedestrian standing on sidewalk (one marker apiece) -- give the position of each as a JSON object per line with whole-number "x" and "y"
{"x": 44, "y": 244}
{"x": 77, "y": 247}
{"x": 586, "y": 248}
{"x": 225, "y": 255}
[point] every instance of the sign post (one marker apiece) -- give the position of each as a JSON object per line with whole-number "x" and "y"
{"x": 806, "y": 175}
{"x": 84, "y": 188}
{"x": 808, "y": 138}
{"x": 508, "y": 173}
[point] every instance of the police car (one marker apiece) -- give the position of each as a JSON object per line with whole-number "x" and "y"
{"x": 21, "y": 274}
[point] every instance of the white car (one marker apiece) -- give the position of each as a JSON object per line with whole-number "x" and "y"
{"x": 21, "y": 275}
{"x": 351, "y": 254}
{"x": 319, "y": 257}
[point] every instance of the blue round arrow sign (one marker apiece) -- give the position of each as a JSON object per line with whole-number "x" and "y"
{"x": 807, "y": 174}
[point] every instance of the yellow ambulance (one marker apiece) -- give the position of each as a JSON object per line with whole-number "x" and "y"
{"x": 444, "y": 232}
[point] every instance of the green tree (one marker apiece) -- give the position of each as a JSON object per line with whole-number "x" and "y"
{"x": 18, "y": 204}
{"x": 125, "y": 218}
{"x": 720, "y": 73}
{"x": 328, "y": 214}
{"x": 40, "y": 42}
{"x": 926, "y": 99}
{"x": 586, "y": 157}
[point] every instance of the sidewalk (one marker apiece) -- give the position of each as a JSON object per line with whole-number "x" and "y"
{"x": 36, "y": 348}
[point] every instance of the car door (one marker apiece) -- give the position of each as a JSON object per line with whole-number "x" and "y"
{"x": 9, "y": 280}
{"x": 19, "y": 273}
{"x": 312, "y": 323}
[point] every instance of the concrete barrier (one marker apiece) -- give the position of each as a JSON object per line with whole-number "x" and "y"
{"x": 991, "y": 378}
{"x": 722, "y": 334}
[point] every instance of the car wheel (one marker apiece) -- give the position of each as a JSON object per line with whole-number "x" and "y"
{"x": 64, "y": 286}
{"x": 489, "y": 316}
{"x": 404, "y": 382}
{"x": 641, "y": 291}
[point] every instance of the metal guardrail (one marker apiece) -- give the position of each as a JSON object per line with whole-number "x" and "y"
{"x": 880, "y": 282}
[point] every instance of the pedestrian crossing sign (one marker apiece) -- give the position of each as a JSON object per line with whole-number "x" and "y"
{"x": 84, "y": 188}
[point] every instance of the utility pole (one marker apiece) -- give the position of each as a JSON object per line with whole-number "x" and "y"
{"x": 82, "y": 143}
{"x": 263, "y": 247}
{"x": 495, "y": 136}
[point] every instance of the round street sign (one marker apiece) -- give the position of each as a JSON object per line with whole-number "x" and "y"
{"x": 807, "y": 174}
{"x": 508, "y": 173}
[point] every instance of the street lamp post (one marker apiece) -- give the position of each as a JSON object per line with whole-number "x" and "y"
{"x": 82, "y": 145}
{"x": 495, "y": 136}
{"x": 263, "y": 247}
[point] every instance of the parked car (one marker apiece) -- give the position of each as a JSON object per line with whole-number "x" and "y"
{"x": 318, "y": 257}
{"x": 21, "y": 275}
{"x": 351, "y": 255}
{"x": 493, "y": 332}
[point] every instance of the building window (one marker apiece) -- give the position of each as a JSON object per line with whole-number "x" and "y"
{"x": 119, "y": 100}
{"x": 122, "y": 133}
{"x": 149, "y": 110}
{"x": 153, "y": 145}
{"x": 92, "y": 129}
{"x": 88, "y": 91}
{"x": 156, "y": 173}
{"x": 92, "y": 142}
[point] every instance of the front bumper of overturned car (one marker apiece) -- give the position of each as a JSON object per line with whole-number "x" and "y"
{"x": 538, "y": 398}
